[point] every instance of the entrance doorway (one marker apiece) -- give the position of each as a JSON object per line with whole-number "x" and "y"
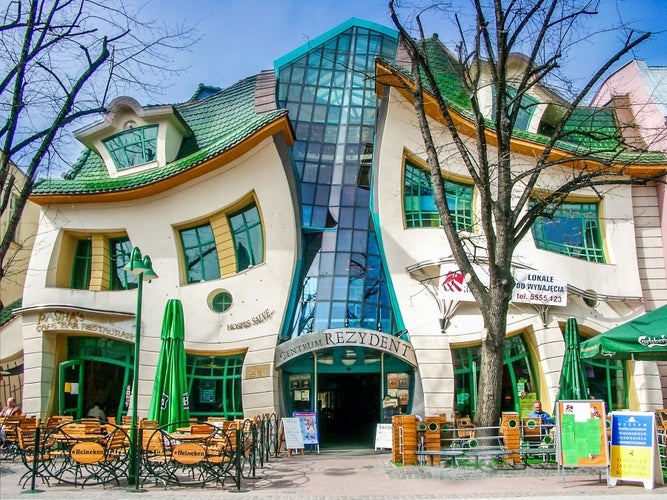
{"x": 86, "y": 382}
{"x": 349, "y": 408}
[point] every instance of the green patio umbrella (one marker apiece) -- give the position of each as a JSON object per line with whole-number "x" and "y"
{"x": 643, "y": 339}
{"x": 573, "y": 384}
{"x": 170, "y": 402}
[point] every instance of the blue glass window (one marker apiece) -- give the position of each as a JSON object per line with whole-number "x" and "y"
{"x": 574, "y": 230}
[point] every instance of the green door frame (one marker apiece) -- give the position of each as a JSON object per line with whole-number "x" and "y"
{"x": 121, "y": 410}
{"x": 62, "y": 410}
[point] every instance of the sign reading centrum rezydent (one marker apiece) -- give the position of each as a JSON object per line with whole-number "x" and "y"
{"x": 344, "y": 337}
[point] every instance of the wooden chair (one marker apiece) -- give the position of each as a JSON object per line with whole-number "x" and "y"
{"x": 115, "y": 456}
{"x": 155, "y": 456}
{"x": 203, "y": 429}
{"x": 148, "y": 424}
{"x": 26, "y": 447}
{"x": 10, "y": 424}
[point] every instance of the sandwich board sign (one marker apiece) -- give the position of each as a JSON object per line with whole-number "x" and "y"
{"x": 634, "y": 450}
{"x": 581, "y": 434}
{"x": 293, "y": 434}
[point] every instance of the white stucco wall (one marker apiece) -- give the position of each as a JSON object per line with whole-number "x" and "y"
{"x": 399, "y": 133}
{"x": 150, "y": 225}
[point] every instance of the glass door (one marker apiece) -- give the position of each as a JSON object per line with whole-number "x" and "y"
{"x": 70, "y": 390}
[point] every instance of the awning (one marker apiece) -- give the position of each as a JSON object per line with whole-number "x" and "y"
{"x": 643, "y": 339}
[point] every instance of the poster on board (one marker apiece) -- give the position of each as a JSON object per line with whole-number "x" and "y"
{"x": 581, "y": 434}
{"x": 292, "y": 432}
{"x": 634, "y": 449}
{"x": 308, "y": 422}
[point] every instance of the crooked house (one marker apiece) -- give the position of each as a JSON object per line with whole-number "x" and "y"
{"x": 292, "y": 215}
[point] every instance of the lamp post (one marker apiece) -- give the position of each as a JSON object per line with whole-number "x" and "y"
{"x": 143, "y": 270}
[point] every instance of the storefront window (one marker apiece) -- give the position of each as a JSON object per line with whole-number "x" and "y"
{"x": 214, "y": 384}
{"x": 607, "y": 380}
{"x": 518, "y": 376}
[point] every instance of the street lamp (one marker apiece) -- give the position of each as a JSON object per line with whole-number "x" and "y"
{"x": 143, "y": 270}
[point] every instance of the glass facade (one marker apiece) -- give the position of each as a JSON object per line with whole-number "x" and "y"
{"x": 330, "y": 94}
{"x": 574, "y": 230}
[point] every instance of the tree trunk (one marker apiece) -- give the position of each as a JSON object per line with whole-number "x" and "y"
{"x": 489, "y": 390}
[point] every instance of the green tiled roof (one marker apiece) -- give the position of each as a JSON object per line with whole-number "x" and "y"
{"x": 219, "y": 122}
{"x": 7, "y": 312}
{"x": 589, "y": 131}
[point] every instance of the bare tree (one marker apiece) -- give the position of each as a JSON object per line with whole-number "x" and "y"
{"x": 509, "y": 202}
{"x": 60, "y": 61}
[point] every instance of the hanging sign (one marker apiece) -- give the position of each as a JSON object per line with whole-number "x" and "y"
{"x": 533, "y": 287}
{"x": 454, "y": 286}
{"x": 634, "y": 450}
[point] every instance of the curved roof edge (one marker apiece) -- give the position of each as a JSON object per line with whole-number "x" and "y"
{"x": 310, "y": 45}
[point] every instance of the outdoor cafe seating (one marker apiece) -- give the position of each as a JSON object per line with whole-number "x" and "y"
{"x": 90, "y": 452}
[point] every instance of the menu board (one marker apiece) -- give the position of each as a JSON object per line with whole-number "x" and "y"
{"x": 293, "y": 435}
{"x": 634, "y": 452}
{"x": 581, "y": 435}
{"x": 383, "y": 437}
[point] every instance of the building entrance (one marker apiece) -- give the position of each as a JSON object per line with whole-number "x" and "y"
{"x": 349, "y": 408}
{"x": 99, "y": 370}
{"x": 86, "y": 382}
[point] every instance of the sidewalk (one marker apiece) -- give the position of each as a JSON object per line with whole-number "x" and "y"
{"x": 357, "y": 474}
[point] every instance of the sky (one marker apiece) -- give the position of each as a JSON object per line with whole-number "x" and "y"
{"x": 240, "y": 38}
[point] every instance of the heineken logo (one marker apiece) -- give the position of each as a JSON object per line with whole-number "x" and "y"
{"x": 652, "y": 342}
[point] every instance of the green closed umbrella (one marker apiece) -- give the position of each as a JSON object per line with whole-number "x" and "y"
{"x": 573, "y": 384}
{"x": 642, "y": 339}
{"x": 170, "y": 403}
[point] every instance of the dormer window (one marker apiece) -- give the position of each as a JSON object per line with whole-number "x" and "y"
{"x": 133, "y": 146}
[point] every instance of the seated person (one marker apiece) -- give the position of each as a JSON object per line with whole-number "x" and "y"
{"x": 546, "y": 419}
{"x": 97, "y": 412}
{"x": 11, "y": 409}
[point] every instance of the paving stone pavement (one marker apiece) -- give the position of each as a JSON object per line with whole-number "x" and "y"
{"x": 358, "y": 474}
